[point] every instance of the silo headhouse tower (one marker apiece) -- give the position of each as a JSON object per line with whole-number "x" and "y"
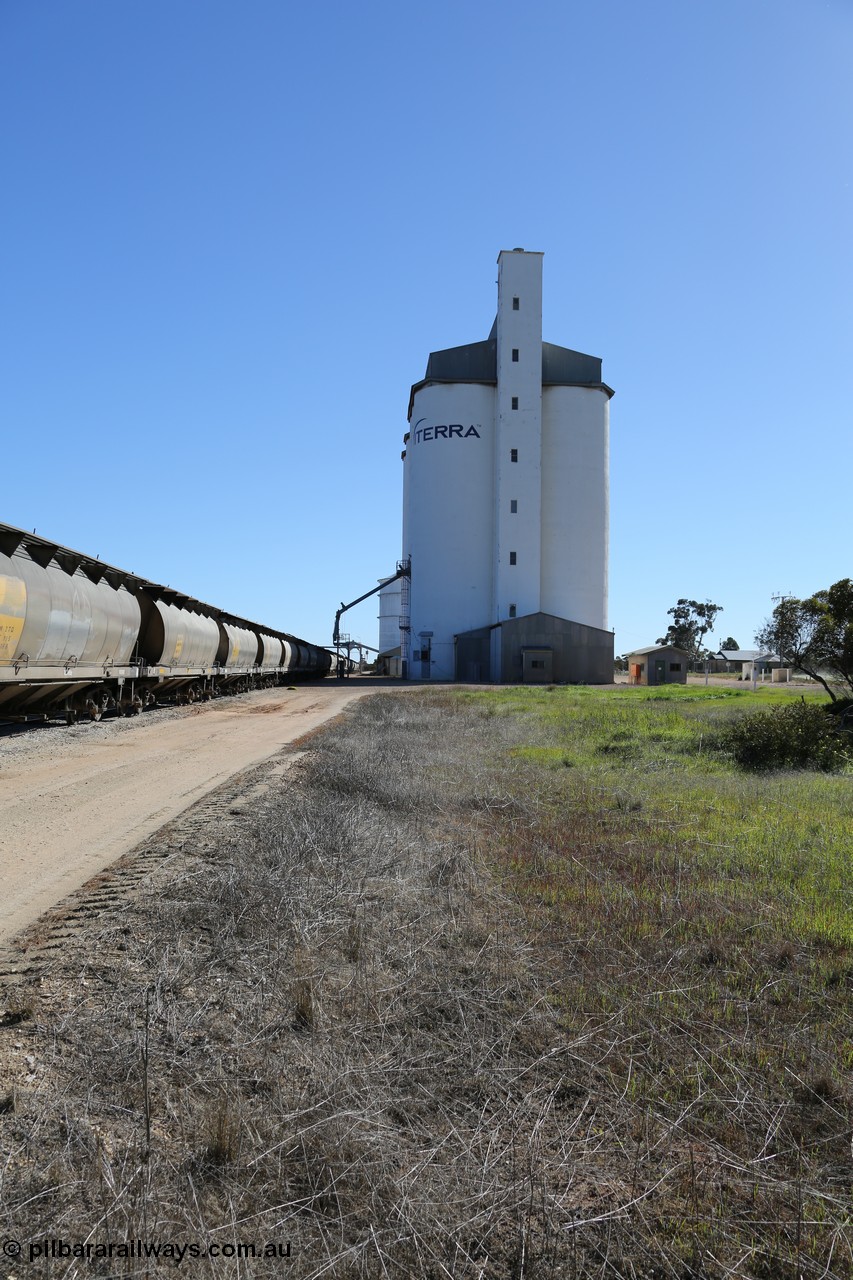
{"x": 505, "y": 504}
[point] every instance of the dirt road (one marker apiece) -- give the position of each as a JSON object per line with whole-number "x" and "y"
{"x": 74, "y": 800}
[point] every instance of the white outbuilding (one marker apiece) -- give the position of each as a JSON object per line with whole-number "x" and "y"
{"x": 505, "y": 503}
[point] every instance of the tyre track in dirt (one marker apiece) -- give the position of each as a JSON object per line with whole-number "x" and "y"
{"x": 190, "y": 835}
{"x": 85, "y": 818}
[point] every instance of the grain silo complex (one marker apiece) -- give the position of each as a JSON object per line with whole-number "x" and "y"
{"x": 505, "y": 504}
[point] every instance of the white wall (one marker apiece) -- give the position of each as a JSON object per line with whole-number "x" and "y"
{"x": 405, "y": 636}
{"x": 449, "y": 516}
{"x": 575, "y": 503}
{"x": 389, "y": 615}
{"x": 519, "y": 276}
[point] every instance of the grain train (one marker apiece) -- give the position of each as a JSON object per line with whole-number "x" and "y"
{"x": 79, "y": 637}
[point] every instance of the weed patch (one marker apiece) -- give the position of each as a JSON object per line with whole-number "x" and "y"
{"x": 798, "y": 736}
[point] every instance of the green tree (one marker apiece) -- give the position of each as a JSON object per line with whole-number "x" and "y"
{"x": 691, "y": 622}
{"x": 815, "y": 635}
{"x": 730, "y": 643}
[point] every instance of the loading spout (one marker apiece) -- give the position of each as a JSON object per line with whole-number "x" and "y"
{"x": 404, "y": 570}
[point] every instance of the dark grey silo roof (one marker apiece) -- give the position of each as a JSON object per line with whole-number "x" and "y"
{"x": 562, "y": 367}
{"x": 478, "y": 362}
{"x": 475, "y": 362}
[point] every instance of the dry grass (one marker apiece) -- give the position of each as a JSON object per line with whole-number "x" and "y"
{"x": 424, "y": 1020}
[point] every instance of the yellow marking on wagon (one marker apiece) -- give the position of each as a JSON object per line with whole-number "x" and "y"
{"x": 13, "y": 613}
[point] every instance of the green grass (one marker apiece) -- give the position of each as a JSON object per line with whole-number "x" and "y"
{"x": 782, "y": 840}
{"x": 696, "y": 922}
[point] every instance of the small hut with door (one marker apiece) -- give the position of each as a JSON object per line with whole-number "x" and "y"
{"x": 658, "y": 664}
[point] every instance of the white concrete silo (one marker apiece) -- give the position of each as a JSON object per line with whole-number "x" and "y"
{"x": 390, "y": 608}
{"x": 450, "y": 460}
{"x": 505, "y": 501}
{"x": 575, "y": 503}
{"x": 388, "y": 659}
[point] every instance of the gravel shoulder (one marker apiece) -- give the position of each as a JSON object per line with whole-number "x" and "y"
{"x": 73, "y": 800}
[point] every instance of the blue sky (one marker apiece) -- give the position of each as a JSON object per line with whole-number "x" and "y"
{"x": 232, "y": 233}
